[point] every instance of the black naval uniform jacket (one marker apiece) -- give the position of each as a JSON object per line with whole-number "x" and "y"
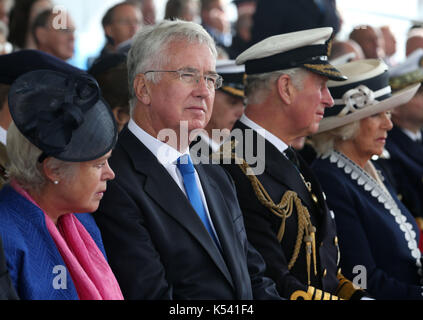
{"x": 279, "y": 176}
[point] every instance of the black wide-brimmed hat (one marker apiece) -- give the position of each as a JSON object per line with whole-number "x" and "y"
{"x": 63, "y": 115}
{"x": 307, "y": 49}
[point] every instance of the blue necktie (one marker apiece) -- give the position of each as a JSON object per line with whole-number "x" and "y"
{"x": 187, "y": 170}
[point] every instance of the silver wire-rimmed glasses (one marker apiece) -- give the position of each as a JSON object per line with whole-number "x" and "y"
{"x": 213, "y": 80}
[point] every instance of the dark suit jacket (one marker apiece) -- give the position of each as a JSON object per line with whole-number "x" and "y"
{"x": 158, "y": 247}
{"x": 262, "y": 225}
{"x": 406, "y": 164}
{"x": 274, "y": 17}
{"x": 7, "y": 292}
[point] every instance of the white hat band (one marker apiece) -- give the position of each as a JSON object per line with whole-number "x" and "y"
{"x": 360, "y": 97}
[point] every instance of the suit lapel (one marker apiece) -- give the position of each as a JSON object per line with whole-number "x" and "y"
{"x": 177, "y": 206}
{"x": 222, "y": 222}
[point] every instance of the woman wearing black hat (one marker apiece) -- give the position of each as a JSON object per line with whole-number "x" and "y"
{"x": 378, "y": 236}
{"x": 58, "y": 145}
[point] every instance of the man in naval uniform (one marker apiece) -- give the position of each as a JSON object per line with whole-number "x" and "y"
{"x": 286, "y": 216}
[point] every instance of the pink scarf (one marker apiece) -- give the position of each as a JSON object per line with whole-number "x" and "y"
{"x": 90, "y": 272}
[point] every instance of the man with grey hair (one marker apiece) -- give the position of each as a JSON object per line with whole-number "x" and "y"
{"x": 172, "y": 230}
{"x": 285, "y": 213}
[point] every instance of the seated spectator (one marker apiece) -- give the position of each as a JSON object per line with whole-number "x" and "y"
{"x": 414, "y": 41}
{"x": 148, "y": 10}
{"x": 5, "y": 6}
{"x": 408, "y": 70}
{"x": 27, "y": 60}
{"x": 370, "y": 40}
{"x": 182, "y": 9}
{"x": 111, "y": 74}
{"x": 285, "y": 212}
{"x": 120, "y": 23}
{"x": 405, "y": 146}
{"x": 181, "y": 245}
{"x": 5, "y": 46}
{"x": 378, "y": 236}
{"x": 243, "y": 25}
{"x": 58, "y": 146}
{"x": 21, "y": 18}
{"x": 215, "y": 21}
{"x": 345, "y": 51}
{"x": 228, "y": 107}
{"x": 53, "y": 37}
{"x": 245, "y": 6}
{"x": 390, "y": 45}
{"x": 273, "y": 17}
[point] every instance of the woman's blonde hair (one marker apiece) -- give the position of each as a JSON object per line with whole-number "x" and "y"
{"x": 24, "y": 166}
{"x": 325, "y": 142}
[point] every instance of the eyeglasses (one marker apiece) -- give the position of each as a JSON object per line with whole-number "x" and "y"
{"x": 213, "y": 80}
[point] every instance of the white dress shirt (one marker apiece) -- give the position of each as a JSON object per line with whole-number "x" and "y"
{"x": 413, "y": 136}
{"x": 168, "y": 156}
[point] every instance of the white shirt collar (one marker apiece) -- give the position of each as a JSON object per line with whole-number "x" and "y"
{"x": 413, "y": 136}
{"x": 164, "y": 153}
{"x": 278, "y": 143}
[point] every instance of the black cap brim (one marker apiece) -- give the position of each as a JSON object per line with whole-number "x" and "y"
{"x": 233, "y": 91}
{"x": 325, "y": 69}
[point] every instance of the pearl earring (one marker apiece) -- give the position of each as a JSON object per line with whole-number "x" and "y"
{"x": 56, "y": 182}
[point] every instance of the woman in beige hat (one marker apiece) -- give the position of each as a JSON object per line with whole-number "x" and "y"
{"x": 378, "y": 236}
